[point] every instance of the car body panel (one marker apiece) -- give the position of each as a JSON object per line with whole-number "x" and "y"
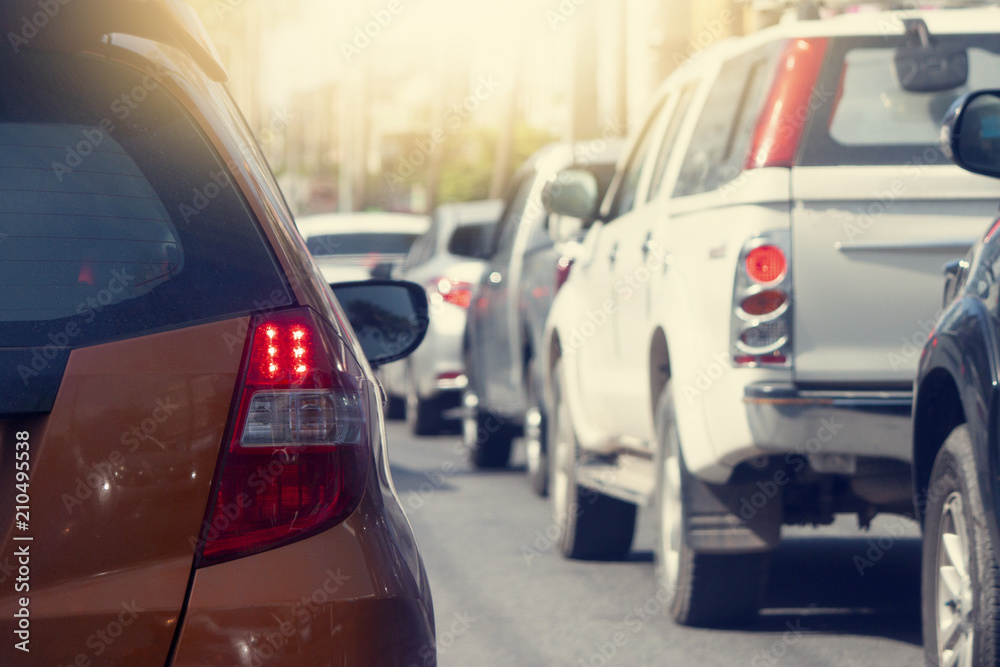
{"x": 518, "y": 285}
{"x": 885, "y": 233}
{"x": 121, "y": 473}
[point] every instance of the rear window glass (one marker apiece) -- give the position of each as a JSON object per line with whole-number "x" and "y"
{"x": 862, "y": 114}
{"x": 874, "y": 110}
{"x": 471, "y": 240}
{"x": 116, "y": 218}
{"x": 360, "y": 244}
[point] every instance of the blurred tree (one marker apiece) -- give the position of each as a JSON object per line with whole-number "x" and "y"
{"x": 468, "y": 161}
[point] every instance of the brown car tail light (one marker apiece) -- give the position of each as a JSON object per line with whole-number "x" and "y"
{"x": 297, "y": 459}
{"x": 762, "y": 319}
{"x": 563, "y": 267}
{"x": 782, "y": 122}
{"x": 456, "y": 292}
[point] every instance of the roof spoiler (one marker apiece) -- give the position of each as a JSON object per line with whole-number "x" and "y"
{"x": 63, "y": 25}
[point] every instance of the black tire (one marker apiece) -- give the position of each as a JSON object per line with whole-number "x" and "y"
{"x": 592, "y": 526}
{"x": 535, "y": 436}
{"x": 423, "y": 415}
{"x": 955, "y": 513}
{"x": 395, "y": 408}
{"x": 703, "y": 590}
{"x": 488, "y": 438}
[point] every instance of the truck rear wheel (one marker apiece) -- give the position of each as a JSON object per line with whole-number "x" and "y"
{"x": 592, "y": 526}
{"x": 486, "y": 437}
{"x": 705, "y": 590}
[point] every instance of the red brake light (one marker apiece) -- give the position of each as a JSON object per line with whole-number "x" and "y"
{"x": 766, "y": 264}
{"x": 563, "y": 267}
{"x": 455, "y": 292}
{"x": 780, "y": 125}
{"x": 763, "y": 303}
{"x": 297, "y": 459}
{"x": 993, "y": 230}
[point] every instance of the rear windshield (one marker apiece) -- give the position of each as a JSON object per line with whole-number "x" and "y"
{"x": 863, "y": 116}
{"x": 360, "y": 244}
{"x": 116, "y": 216}
{"x": 471, "y": 240}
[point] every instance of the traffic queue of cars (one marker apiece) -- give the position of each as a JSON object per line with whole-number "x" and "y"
{"x": 159, "y": 312}
{"x": 737, "y": 341}
{"x": 727, "y": 326}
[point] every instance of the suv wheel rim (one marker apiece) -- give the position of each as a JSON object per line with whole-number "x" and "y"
{"x": 954, "y": 587}
{"x": 670, "y": 513}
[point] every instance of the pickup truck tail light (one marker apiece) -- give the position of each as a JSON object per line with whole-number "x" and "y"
{"x": 761, "y": 331}
{"x": 297, "y": 456}
{"x": 782, "y": 121}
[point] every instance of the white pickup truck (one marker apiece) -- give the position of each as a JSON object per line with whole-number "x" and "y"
{"x": 737, "y": 339}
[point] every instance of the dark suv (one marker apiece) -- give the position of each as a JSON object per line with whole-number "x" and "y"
{"x": 191, "y": 452}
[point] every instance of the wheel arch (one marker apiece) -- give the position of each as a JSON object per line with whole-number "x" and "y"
{"x": 937, "y": 411}
{"x": 659, "y": 367}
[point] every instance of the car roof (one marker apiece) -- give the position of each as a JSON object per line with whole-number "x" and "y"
{"x": 979, "y": 20}
{"x": 356, "y": 223}
{"x": 88, "y": 26}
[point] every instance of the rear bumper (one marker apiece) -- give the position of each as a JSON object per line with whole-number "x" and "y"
{"x": 785, "y": 418}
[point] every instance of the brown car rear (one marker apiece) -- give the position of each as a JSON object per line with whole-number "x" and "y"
{"x": 192, "y": 462}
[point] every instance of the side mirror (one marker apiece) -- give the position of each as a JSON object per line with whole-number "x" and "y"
{"x": 970, "y": 135}
{"x": 571, "y": 199}
{"x": 388, "y": 316}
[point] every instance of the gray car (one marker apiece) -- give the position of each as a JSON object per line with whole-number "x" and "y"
{"x": 503, "y": 398}
{"x": 447, "y": 261}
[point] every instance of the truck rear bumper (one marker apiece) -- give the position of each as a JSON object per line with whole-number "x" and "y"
{"x": 786, "y": 418}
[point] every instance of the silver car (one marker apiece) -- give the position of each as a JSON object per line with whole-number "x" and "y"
{"x": 359, "y": 246}
{"x": 447, "y": 261}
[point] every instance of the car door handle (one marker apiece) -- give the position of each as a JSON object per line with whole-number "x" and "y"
{"x": 614, "y": 253}
{"x": 646, "y": 244}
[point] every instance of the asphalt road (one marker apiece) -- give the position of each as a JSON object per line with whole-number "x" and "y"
{"x": 504, "y": 596}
